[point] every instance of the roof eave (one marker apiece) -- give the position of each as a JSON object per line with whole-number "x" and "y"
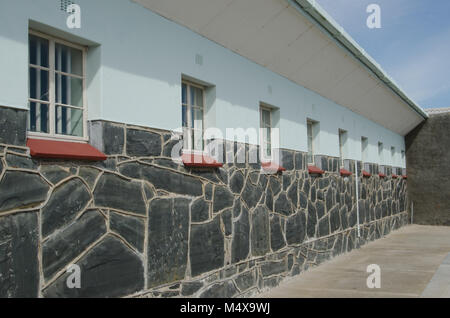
{"x": 318, "y": 16}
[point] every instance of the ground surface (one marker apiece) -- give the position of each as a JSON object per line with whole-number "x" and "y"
{"x": 414, "y": 262}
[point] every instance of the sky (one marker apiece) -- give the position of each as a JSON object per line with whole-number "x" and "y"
{"x": 412, "y": 45}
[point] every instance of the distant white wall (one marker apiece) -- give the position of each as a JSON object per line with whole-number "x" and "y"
{"x": 135, "y": 70}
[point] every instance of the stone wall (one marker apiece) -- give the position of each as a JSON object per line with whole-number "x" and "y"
{"x": 139, "y": 224}
{"x": 428, "y": 160}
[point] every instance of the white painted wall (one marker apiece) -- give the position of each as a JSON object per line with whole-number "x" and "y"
{"x": 135, "y": 70}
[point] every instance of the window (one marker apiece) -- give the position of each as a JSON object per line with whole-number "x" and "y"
{"x": 342, "y": 145}
{"x": 393, "y": 155}
{"x": 380, "y": 153}
{"x": 266, "y": 132}
{"x": 56, "y": 88}
{"x": 364, "y": 148}
{"x": 311, "y": 130}
{"x": 403, "y": 156}
{"x": 192, "y": 105}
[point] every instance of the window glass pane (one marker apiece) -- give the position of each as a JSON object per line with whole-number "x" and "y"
{"x": 197, "y": 118}
{"x": 39, "y": 85}
{"x": 38, "y": 118}
{"x": 198, "y": 139}
{"x": 68, "y": 121}
{"x": 199, "y": 97}
{"x": 68, "y": 59}
{"x": 265, "y": 116}
{"x": 183, "y": 94}
{"x": 38, "y": 51}
{"x": 192, "y": 97}
{"x": 69, "y": 90}
{"x": 184, "y": 116}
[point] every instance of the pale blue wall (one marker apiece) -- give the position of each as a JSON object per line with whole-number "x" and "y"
{"x": 134, "y": 76}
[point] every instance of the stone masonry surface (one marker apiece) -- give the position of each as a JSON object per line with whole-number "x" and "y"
{"x": 141, "y": 225}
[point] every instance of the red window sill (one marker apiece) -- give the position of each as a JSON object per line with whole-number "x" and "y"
{"x": 394, "y": 176}
{"x": 53, "y": 149}
{"x": 366, "y": 174}
{"x": 272, "y": 166}
{"x": 199, "y": 161}
{"x": 382, "y": 175}
{"x": 345, "y": 173}
{"x": 315, "y": 170}
{"x": 405, "y": 177}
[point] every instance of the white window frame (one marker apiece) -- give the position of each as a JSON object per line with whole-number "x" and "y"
{"x": 342, "y": 145}
{"x": 313, "y": 124}
{"x": 190, "y": 127}
{"x": 380, "y": 153}
{"x": 52, "y": 135}
{"x": 262, "y": 142}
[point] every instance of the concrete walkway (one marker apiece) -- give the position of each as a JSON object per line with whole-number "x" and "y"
{"x": 414, "y": 262}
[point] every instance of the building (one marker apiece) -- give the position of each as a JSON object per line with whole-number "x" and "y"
{"x": 90, "y": 116}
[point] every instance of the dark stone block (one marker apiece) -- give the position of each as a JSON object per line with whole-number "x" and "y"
{"x": 227, "y": 221}
{"x": 132, "y": 229}
{"x": 269, "y": 199}
{"x": 246, "y": 280}
{"x": 21, "y": 190}
{"x": 260, "y": 231}
{"x": 293, "y": 193}
{"x": 220, "y": 290}
{"x": 54, "y": 174}
{"x": 237, "y": 208}
{"x": 313, "y": 194}
{"x": 311, "y": 220}
{"x": 200, "y": 210}
{"x": 167, "y": 240}
{"x": 277, "y": 240}
{"x": 324, "y": 226}
{"x": 174, "y": 146}
{"x": 240, "y": 245}
{"x": 164, "y": 179}
{"x": 298, "y": 161}
{"x": 251, "y": 194}
{"x": 208, "y": 192}
{"x": 66, "y": 245}
{"x": 115, "y": 192}
{"x": 287, "y": 159}
{"x": 206, "y": 247}
{"x": 273, "y": 268}
{"x": 141, "y": 143}
{"x": 282, "y": 205}
{"x": 335, "y": 220}
{"x": 329, "y": 199}
{"x": 13, "y": 126}
{"x": 275, "y": 185}
{"x": 19, "y": 267}
{"x": 352, "y": 218}
{"x": 113, "y": 138}
{"x": 303, "y": 200}
{"x": 223, "y": 199}
{"x": 190, "y": 288}
{"x": 20, "y": 162}
{"x": 110, "y": 269}
{"x": 320, "y": 208}
{"x": 89, "y": 175}
{"x": 64, "y": 204}
{"x": 296, "y": 228}
{"x": 237, "y": 182}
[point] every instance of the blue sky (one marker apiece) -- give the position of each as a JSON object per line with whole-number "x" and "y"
{"x": 412, "y": 46}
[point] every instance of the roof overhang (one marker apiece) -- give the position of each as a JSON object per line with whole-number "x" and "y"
{"x": 300, "y": 41}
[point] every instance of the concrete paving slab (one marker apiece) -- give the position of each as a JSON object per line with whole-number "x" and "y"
{"x": 408, "y": 259}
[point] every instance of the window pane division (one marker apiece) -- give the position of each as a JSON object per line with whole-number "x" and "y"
{"x": 56, "y": 87}
{"x": 192, "y": 116}
{"x": 266, "y": 127}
